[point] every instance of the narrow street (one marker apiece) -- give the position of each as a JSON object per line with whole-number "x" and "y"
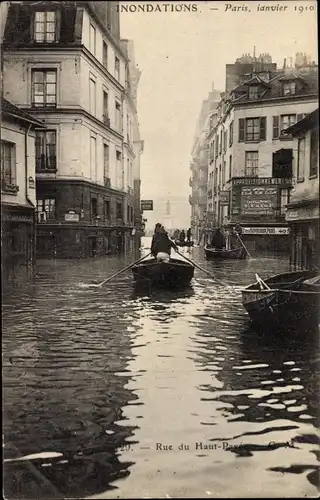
{"x": 114, "y": 395}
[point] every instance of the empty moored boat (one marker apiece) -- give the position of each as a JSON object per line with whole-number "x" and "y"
{"x": 172, "y": 274}
{"x": 234, "y": 253}
{"x": 284, "y": 299}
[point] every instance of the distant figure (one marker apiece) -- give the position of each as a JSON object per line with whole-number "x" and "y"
{"x": 182, "y": 236}
{"x": 161, "y": 244}
{"x": 218, "y": 240}
{"x": 176, "y": 234}
{"x": 189, "y": 235}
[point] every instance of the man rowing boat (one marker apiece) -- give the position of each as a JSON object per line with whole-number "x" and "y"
{"x": 161, "y": 244}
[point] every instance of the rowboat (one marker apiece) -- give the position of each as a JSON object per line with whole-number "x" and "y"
{"x": 234, "y": 253}
{"x": 284, "y": 299}
{"x": 175, "y": 273}
{"x": 184, "y": 243}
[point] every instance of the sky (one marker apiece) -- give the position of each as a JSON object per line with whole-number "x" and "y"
{"x": 181, "y": 55}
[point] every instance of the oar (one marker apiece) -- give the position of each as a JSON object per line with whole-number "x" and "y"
{"x": 262, "y": 283}
{"x": 196, "y": 265}
{"x": 122, "y": 270}
{"x": 240, "y": 239}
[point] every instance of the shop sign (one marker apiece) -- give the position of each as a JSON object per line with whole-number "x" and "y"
{"x": 32, "y": 184}
{"x": 71, "y": 217}
{"x": 258, "y": 200}
{"x": 17, "y": 218}
{"x": 146, "y": 205}
{"x": 266, "y": 230}
{"x": 303, "y": 213}
{"x": 260, "y": 181}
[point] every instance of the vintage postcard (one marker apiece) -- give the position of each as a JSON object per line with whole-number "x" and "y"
{"x": 160, "y": 249}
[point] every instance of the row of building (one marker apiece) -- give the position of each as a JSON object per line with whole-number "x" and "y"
{"x": 70, "y": 142}
{"x": 255, "y": 156}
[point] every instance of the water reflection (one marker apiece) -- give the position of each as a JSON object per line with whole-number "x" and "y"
{"x": 96, "y": 379}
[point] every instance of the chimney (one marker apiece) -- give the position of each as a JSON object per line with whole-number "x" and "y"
{"x": 284, "y": 63}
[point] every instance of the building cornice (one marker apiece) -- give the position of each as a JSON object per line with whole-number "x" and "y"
{"x": 261, "y": 102}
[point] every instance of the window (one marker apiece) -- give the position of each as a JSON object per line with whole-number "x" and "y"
{"x": 220, "y": 143}
{"x": 286, "y": 121}
{"x": 119, "y": 172}
{"x": 46, "y": 209}
{"x": 8, "y": 162}
{"x": 92, "y": 40}
{"x": 225, "y": 140}
{"x": 224, "y": 173}
{"x": 251, "y": 166}
{"x": 45, "y": 27}
{"x": 301, "y": 158}
{"x": 106, "y": 119}
{"x": 314, "y": 152}
{"x": 289, "y": 88}
{"x": 118, "y": 117}
{"x": 230, "y": 166}
{"x": 217, "y": 144}
{"x": 44, "y": 88}
{"x": 119, "y": 211}
{"x": 46, "y": 150}
{"x": 117, "y": 68}
{"x": 106, "y": 164}
{"x": 254, "y": 92}
{"x": 231, "y": 134}
{"x": 106, "y": 209}
{"x": 128, "y": 213}
{"x": 94, "y": 207}
{"x": 92, "y": 96}
{"x": 93, "y": 158}
{"x": 252, "y": 129}
{"x": 105, "y": 55}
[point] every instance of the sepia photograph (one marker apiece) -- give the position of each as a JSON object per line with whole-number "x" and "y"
{"x": 160, "y": 249}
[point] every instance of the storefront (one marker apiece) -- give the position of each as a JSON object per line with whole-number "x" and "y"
{"x": 18, "y": 244}
{"x": 303, "y": 220}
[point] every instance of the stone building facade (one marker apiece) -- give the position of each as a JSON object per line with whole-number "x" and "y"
{"x": 250, "y": 155}
{"x": 65, "y": 65}
{"x": 302, "y": 213}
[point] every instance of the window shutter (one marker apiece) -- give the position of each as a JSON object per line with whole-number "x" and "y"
{"x": 275, "y": 128}
{"x": 231, "y": 134}
{"x": 241, "y": 129}
{"x": 263, "y": 128}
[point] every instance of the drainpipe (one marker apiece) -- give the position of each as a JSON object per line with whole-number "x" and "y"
{"x": 27, "y": 196}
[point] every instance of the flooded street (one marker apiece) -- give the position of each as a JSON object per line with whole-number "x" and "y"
{"x": 110, "y": 394}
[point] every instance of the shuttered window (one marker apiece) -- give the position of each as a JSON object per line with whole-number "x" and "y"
{"x": 241, "y": 130}
{"x": 231, "y": 134}
{"x": 275, "y": 127}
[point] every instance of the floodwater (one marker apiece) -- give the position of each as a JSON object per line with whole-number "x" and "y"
{"x": 110, "y": 394}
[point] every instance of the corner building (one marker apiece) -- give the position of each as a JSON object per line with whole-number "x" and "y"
{"x": 64, "y": 64}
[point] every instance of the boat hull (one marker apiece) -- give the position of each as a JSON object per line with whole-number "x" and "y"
{"x": 235, "y": 253}
{"x": 286, "y": 304}
{"x": 172, "y": 274}
{"x": 184, "y": 243}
